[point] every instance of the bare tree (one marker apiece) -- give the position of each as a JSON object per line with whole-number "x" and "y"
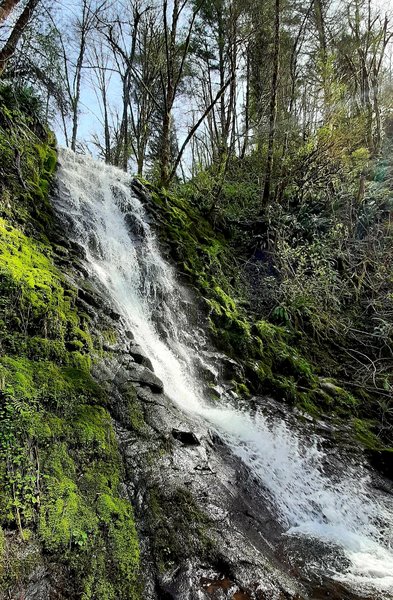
{"x": 99, "y": 61}
{"x": 84, "y": 25}
{"x": 171, "y": 76}
{"x": 361, "y": 53}
{"x": 122, "y": 34}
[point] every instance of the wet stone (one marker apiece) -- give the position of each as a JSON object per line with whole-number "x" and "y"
{"x": 143, "y": 375}
{"x": 140, "y": 357}
{"x": 188, "y": 438}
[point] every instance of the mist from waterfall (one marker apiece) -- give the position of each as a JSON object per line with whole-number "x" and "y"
{"x": 103, "y": 215}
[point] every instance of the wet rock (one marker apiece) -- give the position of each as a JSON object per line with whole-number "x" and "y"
{"x": 188, "y": 438}
{"x": 87, "y": 308}
{"x": 116, "y": 348}
{"x": 135, "y": 226}
{"x": 79, "y": 265}
{"x": 62, "y": 252}
{"x": 38, "y": 587}
{"x": 90, "y": 298}
{"x": 94, "y": 299}
{"x": 216, "y": 439}
{"x": 114, "y": 315}
{"x": 140, "y": 357}
{"x": 143, "y": 375}
{"x": 382, "y": 460}
{"x": 59, "y": 240}
{"x": 77, "y": 249}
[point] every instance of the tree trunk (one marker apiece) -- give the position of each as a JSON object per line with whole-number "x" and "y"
{"x": 78, "y": 77}
{"x": 124, "y": 122}
{"x": 247, "y": 106}
{"x": 10, "y": 46}
{"x": 107, "y": 134}
{"x": 320, "y": 23}
{"x": 377, "y": 138}
{"x": 7, "y": 6}
{"x": 273, "y": 107}
{"x": 165, "y": 149}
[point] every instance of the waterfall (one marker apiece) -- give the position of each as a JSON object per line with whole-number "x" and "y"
{"x": 101, "y": 213}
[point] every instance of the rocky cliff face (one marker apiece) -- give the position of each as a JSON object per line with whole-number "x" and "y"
{"x": 200, "y": 518}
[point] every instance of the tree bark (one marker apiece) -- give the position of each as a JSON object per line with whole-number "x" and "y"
{"x": 10, "y": 46}
{"x": 273, "y": 107}
{"x": 7, "y": 6}
{"x": 78, "y": 77}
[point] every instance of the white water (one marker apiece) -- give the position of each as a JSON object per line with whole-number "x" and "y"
{"x": 122, "y": 253}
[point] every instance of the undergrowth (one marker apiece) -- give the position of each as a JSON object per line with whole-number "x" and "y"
{"x": 270, "y": 354}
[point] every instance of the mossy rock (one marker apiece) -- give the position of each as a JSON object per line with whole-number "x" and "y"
{"x": 60, "y": 467}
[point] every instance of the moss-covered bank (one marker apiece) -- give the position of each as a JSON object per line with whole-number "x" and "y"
{"x": 60, "y": 468}
{"x": 269, "y": 353}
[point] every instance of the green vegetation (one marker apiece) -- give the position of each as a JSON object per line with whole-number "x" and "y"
{"x": 179, "y": 528}
{"x": 287, "y": 348}
{"x": 60, "y": 468}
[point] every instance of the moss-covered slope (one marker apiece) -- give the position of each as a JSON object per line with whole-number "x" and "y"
{"x": 60, "y": 468}
{"x": 269, "y": 353}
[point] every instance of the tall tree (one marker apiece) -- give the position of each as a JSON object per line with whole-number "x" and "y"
{"x": 122, "y": 35}
{"x": 176, "y": 48}
{"x": 83, "y": 26}
{"x": 273, "y": 104}
{"x": 99, "y": 62}
{"x": 361, "y": 43}
{"x": 218, "y": 49}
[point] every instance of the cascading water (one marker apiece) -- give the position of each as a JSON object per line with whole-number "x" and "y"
{"x": 109, "y": 221}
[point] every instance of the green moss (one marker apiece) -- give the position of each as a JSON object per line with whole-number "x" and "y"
{"x": 240, "y": 389}
{"x": 117, "y": 517}
{"x": 179, "y": 528}
{"x": 92, "y": 427}
{"x": 33, "y": 287}
{"x": 306, "y": 404}
{"x": 60, "y": 468}
{"x": 44, "y": 381}
{"x": 66, "y": 519}
{"x": 109, "y": 336}
{"x": 20, "y": 136}
{"x": 133, "y": 413}
{"x": 364, "y": 430}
